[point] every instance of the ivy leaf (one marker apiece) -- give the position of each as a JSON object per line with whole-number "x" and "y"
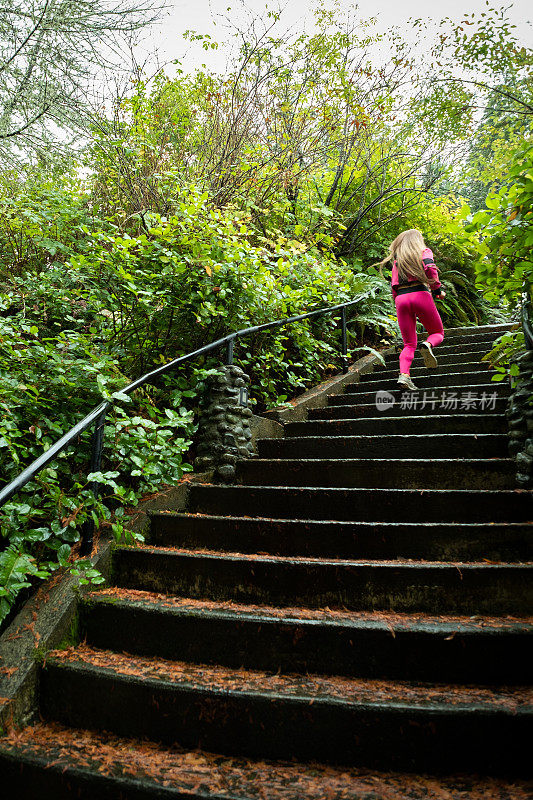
{"x": 63, "y": 554}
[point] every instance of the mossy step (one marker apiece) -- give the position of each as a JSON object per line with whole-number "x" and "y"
{"x": 360, "y": 505}
{"x": 473, "y": 336}
{"x": 435, "y": 541}
{"x": 379, "y": 724}
{"x": 358, "y": 585}
{"x": 53, "y": 762}
{"x": 371, "y": 644}
{"x": 348, "y": 409}
{"x": 389, "y": 371}
{"x": 431, "y": 379}
{"x": 496, "y": 328}
{"x": 455, "y": 394}
{"x": 381, "y": 472}
{"x": 480, "y": 423}
{"x": 454, "y": 352}
{"x": 444, "y": 355}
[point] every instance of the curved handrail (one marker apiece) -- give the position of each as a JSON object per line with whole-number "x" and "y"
{"x": 97, "y": 415}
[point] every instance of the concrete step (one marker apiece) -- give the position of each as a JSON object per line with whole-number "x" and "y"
{"x": 363, "y": 505}
{"x": 497, "y": 328}
{"x": 53, "y": 762}
{"x": 482, "y": 397}
{"x": 406, "y": 473}
{"x": 396, "y": 585}
{"x": 365, "y": 644}
{"x": 452, "y": 351}
{"x": 477, "y": 336}
{"x": 254, "y": 714}
{"x": 484, "y": 423}
{"x": 392, "y": 371}
{"x": 427, "y": 406}
{"x": 431, "y": 379}
{"x": 445, "y": 355}
{"x": 433, "y": 541}
{"x": 397, "y": 446}
{"x": 455, "y": 397}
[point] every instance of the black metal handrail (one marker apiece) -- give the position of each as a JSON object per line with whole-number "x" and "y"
{"x": 527, "y": 317}
{"x": 97, "y": 416}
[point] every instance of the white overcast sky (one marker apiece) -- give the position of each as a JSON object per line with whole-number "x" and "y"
{"x": 199, "y": 15}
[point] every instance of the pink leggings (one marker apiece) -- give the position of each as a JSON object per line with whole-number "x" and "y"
{"x": 409, "y": 306}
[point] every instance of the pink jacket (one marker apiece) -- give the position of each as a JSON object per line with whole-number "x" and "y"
{"x": 429, "y": 268}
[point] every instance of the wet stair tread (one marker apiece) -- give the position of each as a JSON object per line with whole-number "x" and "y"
{"x": 300, "y": 639}
{"x": 153, "y": 770}
{"x": 496, "y": 461}
{"x": 495, "y": 328}
{"x": 473, "y": 418}
{"x": 401, "y": 584}
{"x": 415, "y": 563}
{"x": 213, "y": 679}
{"x": 343, "y": 427}
{"x": 372, "y": 469}
{"x": 439, "y": 540}
{"x": 350, "y": 410}
{"x": 386, "y": 371}
{"x": 387, "y": 621}
{"x": 387, "y": 426}
{"x": 187, "y": 515}
{"x": 365, "y": 504}
{"x": 500, "y": 389}
{"x": 480, "y": 493}
{"x": 430, "y": 379}
{"x": 367, "y": 394}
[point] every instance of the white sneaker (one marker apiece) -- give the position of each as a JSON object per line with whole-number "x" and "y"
{"x": 405, "y": 380}
{"x": 428, "y": 355}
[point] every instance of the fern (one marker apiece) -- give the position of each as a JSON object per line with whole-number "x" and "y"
{"x": 373, "y": 351}
{"x": 453, "y": 276}
{"x": 377, "y": 320}
{"x": 507, "y": 345}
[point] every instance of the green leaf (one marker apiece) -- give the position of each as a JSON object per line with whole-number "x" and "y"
{"x": 124, "y": 398}
{"x": 63, "y": 554}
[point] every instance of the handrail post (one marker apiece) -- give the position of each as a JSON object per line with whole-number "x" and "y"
{"x": 87, "y": 533}
{"x": 525, "y": 317}
{"x": 229, "y": 351}
{"x": 344, "y": 341}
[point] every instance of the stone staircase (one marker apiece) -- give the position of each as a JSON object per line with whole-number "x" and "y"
{"x": 349, "y": 620}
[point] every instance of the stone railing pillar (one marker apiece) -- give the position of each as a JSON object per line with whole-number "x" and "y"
{"x": 520, "y": 420}
{"x": 224, "y": 434}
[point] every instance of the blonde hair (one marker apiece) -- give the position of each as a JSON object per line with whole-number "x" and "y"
{"x": 406, "y": 250}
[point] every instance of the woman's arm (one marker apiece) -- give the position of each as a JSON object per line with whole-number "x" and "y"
{"x": 431, "y": 271}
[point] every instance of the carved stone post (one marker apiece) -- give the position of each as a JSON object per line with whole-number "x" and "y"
{"x": 520, "y": 420}
{"x": 224, "y": 434}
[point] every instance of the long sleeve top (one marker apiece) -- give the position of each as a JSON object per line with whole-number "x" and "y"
{"x": 430, "y": 269}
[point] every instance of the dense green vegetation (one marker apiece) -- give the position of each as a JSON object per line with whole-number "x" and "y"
{"x": 200, "y": 204}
